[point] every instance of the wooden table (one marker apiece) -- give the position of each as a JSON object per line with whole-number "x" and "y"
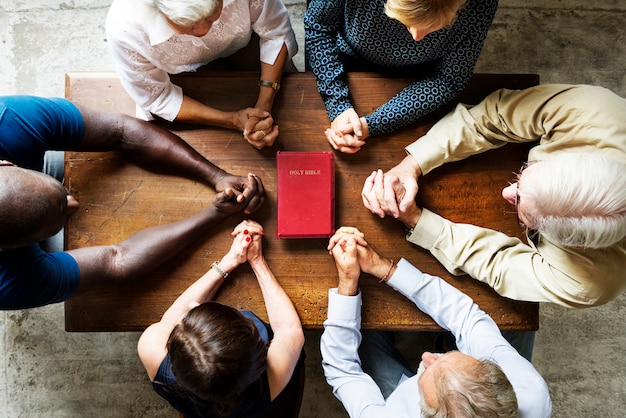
{"x": 118, "y": 199}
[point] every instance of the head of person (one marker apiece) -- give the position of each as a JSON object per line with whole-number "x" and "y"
{"x": 189, "y": 17}
{"x": 457, "y": 385}
{"x": 573, "y": 199}
{"x": 422, "y": 17}
{"x": 33, "y": 206}
{"x": 218, "y": 356}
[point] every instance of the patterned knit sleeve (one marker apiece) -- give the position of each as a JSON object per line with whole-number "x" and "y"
{"x": 461, "y": 45}
{"x": 322, "y": 21}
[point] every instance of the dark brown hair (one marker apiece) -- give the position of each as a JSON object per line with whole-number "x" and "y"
{"x": 218, "y": 355}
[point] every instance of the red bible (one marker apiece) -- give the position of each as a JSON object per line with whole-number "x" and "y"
{"x": 306, "y": 194}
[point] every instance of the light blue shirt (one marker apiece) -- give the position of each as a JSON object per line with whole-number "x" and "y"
{"x": 476, "y": 335}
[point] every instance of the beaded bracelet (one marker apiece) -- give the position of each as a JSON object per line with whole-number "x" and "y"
{"x": 386, "y": 276}
{"x": 217, "y": 268}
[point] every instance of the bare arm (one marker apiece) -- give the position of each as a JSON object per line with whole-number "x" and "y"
{"x": 284, "y": 350}
{"x": 151, "y": 247}
{"x": 152, "y": 345}
{"x": 159, "y": 150}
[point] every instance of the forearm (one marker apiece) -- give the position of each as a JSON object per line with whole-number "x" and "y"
{"x": 402, "y": 110}
{"x": 145, "y": 250}
{"x": 339, "y": 348}
{"x": 280, "y": 310}
{"x": 512, "y": 268}
{"x": 321, "y": 22}
{"x": 272, "y": 73}
{"x": 159, "y": 150}
{"x": 448, "y": 306}
{"x": 193, "y": 111}
{"x": 201, "y": 291}
{"x": 147, "y": 145}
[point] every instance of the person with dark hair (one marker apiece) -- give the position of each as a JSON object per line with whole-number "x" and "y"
{"x": 434, "y": 42}
{"x": 211, "y": 360}
{"x": 484, "y": 378}
{"x": 35, "y": 206}
{"x": 570, "y": 195}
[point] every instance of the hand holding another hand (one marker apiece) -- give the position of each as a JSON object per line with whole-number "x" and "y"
{"x": 247, "y": 192}
{"x": 258, "y": 127}
{"x": 352, "y": 255}
{"x": 393, "y": 193}
{"x": 253, "y": 234}
{"x": 347, "y": 132}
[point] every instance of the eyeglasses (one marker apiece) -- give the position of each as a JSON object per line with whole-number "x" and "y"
{"x": 516, "y": 200}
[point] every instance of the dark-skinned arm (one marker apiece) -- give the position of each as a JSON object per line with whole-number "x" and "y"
{"x": 149, "y": 248}
{"x": 159, "y": 150}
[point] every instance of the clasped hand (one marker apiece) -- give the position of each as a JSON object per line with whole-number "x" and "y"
{"x": 237, "y": 193}
{"x": 258, "y": 127}
{"x": 393, "y": 193}
{"x": 352, "y": 255}
{"x": 246, "y": 246}
{"x": 347, "y": 132}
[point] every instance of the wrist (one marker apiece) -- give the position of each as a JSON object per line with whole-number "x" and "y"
{"x": 409, "y": 164}
{"x": 258, "y": 263}
{"x": 410, "y": 220}
{"x": 347, "y": 287}
{"x": 218, "y": 267}
{"x": 228, "y": 264}
{"x": 384, "y": 269}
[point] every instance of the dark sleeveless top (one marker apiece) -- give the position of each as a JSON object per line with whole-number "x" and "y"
{"x": 190, "y": 406}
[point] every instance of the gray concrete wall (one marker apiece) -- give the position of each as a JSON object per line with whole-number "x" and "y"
{"x": 46, "y": 372}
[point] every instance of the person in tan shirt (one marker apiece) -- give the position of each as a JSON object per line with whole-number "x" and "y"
{"x": 570, "y": 196}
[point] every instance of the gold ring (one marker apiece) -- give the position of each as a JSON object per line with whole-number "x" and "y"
{"x": 264, "y": 134}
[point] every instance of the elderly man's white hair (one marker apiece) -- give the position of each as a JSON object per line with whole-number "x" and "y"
{"x": 578, "y": 200}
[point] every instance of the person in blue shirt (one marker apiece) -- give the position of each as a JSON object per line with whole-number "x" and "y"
{"x": 34, "y": 206}
{"x": 437, "y": 43}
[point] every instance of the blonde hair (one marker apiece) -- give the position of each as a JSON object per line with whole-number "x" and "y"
{"x": 185, "y": 12}
{"x": 578, "y": 200}
{"x": 426, "y": 13}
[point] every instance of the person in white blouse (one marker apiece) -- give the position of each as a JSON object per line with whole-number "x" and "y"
{"x": 151, "y": 39}
{"x": 486, "y": 377}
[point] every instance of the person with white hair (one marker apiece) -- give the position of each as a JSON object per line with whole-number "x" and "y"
{"x": 484, "y": 378}
{"x": 570, "y": 195}
{"x": 151, "y": 39}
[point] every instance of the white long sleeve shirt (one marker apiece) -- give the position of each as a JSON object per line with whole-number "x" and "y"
{"x": 476, "y": 333}
{"x": 146, "y": 50}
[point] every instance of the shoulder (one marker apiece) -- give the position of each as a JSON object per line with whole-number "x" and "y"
{"x": 30, "y": 277}
{"x": 151, "y": 347}
{"x": 531, "y": 390}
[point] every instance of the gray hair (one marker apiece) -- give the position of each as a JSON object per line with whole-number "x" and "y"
{"x": 479, "y": 391}
{"x": 578, "y": 200}
{"x": 185, "y": 12}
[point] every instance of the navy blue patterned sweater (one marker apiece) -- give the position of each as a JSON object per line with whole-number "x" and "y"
{"x": 356, "y": 35}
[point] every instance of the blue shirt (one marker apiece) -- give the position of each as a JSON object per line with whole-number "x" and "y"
{"x": 477, "y": 335}
{"x": 29, "y": 126}
{"x": 356, "y": 35}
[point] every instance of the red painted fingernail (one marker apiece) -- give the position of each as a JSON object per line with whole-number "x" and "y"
{"x": 245, "y": 231}
{"x": 247, "y": 239}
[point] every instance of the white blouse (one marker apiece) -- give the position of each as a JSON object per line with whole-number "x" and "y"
{"x": 146, "y": 49}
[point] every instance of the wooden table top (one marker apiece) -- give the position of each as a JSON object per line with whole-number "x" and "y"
{"x": 118, "y": 199}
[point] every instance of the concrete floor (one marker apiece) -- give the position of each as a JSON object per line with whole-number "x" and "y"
{"x": 46, "y": 372}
